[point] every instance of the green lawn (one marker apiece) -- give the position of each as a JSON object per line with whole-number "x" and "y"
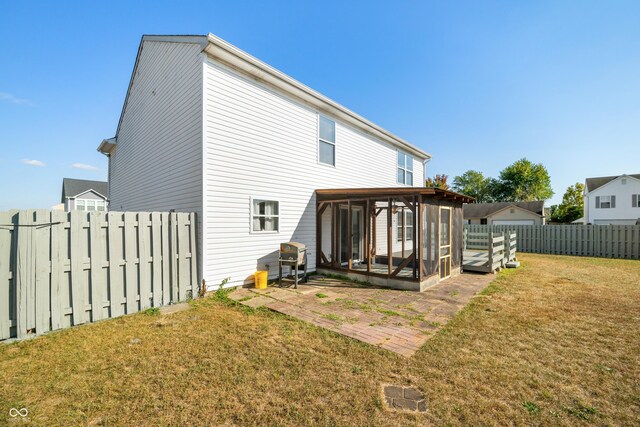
{"x": 555, "y": 342}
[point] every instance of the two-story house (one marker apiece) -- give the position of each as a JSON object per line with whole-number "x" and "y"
{"x": 208, "y": 128}
{"x": 84, "y": 195}
{"x": 612, "y": 200}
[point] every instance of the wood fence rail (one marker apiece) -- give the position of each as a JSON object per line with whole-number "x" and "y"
{"x": 59, "y": 269}
{"x": 606, "y": 241}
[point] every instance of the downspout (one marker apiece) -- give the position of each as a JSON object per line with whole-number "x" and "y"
{"x": 424, "y": 171}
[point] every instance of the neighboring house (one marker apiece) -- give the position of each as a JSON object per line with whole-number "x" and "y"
{"x": 612, "y": 200}
{"x": 207, "y": 128}
{"x": 84, "y": 195}
{"x": 505, "y": 213}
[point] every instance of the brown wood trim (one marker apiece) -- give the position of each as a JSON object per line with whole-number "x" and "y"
{"x": 365, "y": 273}
{"x": 367, "y": 234}
{"x": 403, "y": 264}
{"x": 374, "y": 232}
{"x": 383, "y": 193}
{"x": 318, "y": 233}
{"x": 323, "y": 257}
{"x": 349, "y": 236}
{"x": 334, "y": 244}
{"x": 389, "y": 236}
{"x": 415, "y": 234}
{"x": 408, "y": 203}
{"x": 322, "y": 207}
{"x": 402, "y": 228}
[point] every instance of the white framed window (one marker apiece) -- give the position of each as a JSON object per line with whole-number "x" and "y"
{"x": 265, "y": 215}
{"x": 605, "y": 202}
{"x": 408, "y": 225}
{"x": 326, "y": 141}
{"x": 80, "y": 205}
{"x": 635, "y": 200}
{"x": 101, "y": 205}
{"x": 405, "y": 168}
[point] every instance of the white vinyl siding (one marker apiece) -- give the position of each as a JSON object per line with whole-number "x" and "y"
{"x": 272, "y": 141}
{"x": 621, "y": 211}
{"x": 157, "y": 162}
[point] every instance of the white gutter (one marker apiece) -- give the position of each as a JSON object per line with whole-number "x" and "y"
{"x": 242, "y": 61}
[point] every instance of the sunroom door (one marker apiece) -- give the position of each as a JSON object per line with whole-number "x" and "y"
{"x": 445, "y": 242}
{"x": 356, "y": 234}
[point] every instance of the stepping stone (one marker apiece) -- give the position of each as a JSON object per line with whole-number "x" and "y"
{"x": 257, "y": 302}
{"x": 174, "y": 308}
{"x": 404, "y": 398}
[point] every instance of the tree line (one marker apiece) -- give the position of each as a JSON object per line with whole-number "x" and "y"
{"x": 518, "y": 182}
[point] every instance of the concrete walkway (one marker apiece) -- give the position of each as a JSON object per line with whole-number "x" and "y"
{"x": 400, "y": 321}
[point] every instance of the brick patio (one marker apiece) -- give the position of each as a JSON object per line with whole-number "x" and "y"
{"x": 399, "y": 321}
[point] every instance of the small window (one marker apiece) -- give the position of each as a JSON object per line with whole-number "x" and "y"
{"x": 635, "y": 200}
{"x": 80, "y": 205}
{"x": 605, "y": 202}
{"x": 624, "y": 181}
{"x": 405, "y": 168}
{"x": 408, "y": 225}
{"x": 265, "y": 215}
{"x": 91, "y": 205}
{"x": 326, "y": 141}
{"x": 100, "y": 205}
{"x": 483, "y": 221}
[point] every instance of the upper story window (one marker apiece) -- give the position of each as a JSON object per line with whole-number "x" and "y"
{"x": 326, "y": 141}
{"x": 405, "y": 168}
{"x": 265, "y": 215}
{"x": 605, "y": 202}
{"x": 90, "y": 205}
{"x": 408, "y": 225}
{"x": 635, "y": 200}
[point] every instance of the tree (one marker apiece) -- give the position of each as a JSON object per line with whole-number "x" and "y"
{"x": 571, "y": 207}
{"x": 473, "y": 183}
{"x": 438, "y": 181}
{"x": 523, "y": 181}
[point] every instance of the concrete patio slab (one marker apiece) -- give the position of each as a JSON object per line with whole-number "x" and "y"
{"x": 398, "y": 321}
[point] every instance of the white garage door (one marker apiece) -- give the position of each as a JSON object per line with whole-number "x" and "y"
{"x": 513, "y": 222}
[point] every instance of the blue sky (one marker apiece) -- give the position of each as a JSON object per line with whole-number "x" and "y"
{"x": 477, "y": 84}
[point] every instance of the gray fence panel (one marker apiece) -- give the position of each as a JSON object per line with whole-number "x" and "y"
{"x": 60, "y": 269}
{"x": 605, "y": 241}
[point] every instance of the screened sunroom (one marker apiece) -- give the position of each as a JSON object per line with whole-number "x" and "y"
{"x": 403, "y": 238}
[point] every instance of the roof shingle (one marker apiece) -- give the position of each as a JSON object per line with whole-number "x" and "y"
{"x": 483, "y": 210}
{"x": 597, "y": 182}
{"x": 72, "y": 187}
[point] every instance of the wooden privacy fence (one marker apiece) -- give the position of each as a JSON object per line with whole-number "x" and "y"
{"x": 59, "y": 269}
{"x": 607, "y": 241}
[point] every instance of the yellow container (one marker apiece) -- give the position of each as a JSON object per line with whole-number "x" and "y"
{"x": 261, "y": 279}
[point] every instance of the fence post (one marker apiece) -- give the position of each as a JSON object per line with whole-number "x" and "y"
{"x": 7, "y": 271}
{"x": 24, "y": 274}
{"x": 59, "y": 248}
